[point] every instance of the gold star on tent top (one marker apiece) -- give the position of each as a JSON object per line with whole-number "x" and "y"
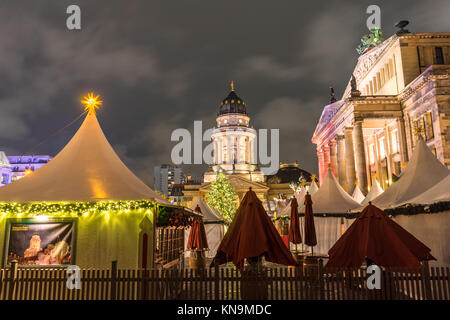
{"x": 91, "y": 102}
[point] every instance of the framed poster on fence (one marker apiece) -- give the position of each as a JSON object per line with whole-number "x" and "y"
{"x": 40, "y": 242}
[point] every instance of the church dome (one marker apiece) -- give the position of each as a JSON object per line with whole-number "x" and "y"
{"x": 290, "y": 172}
{"x": 232, "y": 103}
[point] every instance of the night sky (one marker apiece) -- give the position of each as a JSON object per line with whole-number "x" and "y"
{"x": 160, "y": 65}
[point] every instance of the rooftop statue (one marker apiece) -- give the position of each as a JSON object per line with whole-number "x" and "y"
{"x": 369, "y": 41}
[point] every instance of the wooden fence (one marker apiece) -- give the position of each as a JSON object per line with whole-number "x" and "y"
{"x": 223, "y": 284}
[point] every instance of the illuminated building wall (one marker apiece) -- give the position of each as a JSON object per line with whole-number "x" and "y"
{"x": 23, "y": 165}
{"x": 5, "y": 169}
{"x": 400, "y": 90}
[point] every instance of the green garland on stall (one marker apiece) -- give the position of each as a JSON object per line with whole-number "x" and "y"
{"x": 406, "y": 210}
{"x": 169, "y": 216}
{"x": 283, "y": 218}
{"x": 73, "y": 208}
{"x": 411, "y": 210}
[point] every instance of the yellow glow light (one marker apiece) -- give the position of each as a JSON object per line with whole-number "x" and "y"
{"x": 41, "y": 218}
{"x": 91, "y": 102}
{"x": 27, "y": 172}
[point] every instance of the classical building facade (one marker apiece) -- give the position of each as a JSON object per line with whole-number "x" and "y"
{"x": 13, "y": 168}
{"x": 234, "y": 145}
{"x": 399, "y": 90}
{"x": 5, "y": 169}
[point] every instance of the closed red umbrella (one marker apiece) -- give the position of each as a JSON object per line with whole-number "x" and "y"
{"x": 197, "y": 236}
{"x": 252, "y": 235}
{"x": 310, "y": 230}
{"x": 375, "y": 236}
{"x": 294, "y": 228}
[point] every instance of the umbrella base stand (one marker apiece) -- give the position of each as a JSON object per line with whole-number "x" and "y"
{"x": 197, "y": 260}
{"x": 252, "y": 285}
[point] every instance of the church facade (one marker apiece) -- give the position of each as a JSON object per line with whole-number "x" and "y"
{"x": 399, "y": 90}
{"x": 234, "y": 144}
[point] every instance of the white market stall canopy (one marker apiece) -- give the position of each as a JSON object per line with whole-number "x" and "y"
{"x": 358, "y": 196}
{"x": 331, "y": 198}
{"x": 374, "y": 192}
{"x": 313, "y": 188}
{"x": 423, "y": 171}
{"x": 300, "y": 196}
{"x": 214, "y": 227}
{"x": 209, "y": 214}
{"x": 438, "y": 193}
{"x": 86, "y": 169}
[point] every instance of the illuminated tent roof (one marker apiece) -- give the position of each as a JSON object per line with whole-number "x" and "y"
{"x": 358, "y": 196}
{"x": 313, "y": 188}
{"x": 423, "y": 171}
{"x": 209, "y": 214}
{"x": 300, "y": 197}
{"x": 331, "y": 198}
{"x": 86, "y": 169}
{"x": 374, "y": 192}
{"x": 438, "y": 193}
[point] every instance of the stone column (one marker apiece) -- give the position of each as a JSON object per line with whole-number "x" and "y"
{"x": 238, "y": 149}
{"x": 251, "y": 146}
{"x": 402, "y": 139}
{"x": 247, "y": 150}
{"x": 387, "y": 148}
{"x": 220, "y": 149}
{"x": 360, "y": 157}
{"x": 230, "y": 149}
{"x": 349, "y": 160}
{"x": 341, "y": 161}
{"x": 333, "y": 157}
{"x": 326, "y": 158}
{"x": 380, "y": 175}
{"x": 215, "y": 152}
{"x": 320, "y": 163}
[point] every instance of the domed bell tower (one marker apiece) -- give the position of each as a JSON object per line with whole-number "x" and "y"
{"x": 234, "y": 141}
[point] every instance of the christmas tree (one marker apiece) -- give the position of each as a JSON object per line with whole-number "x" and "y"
{"x": 222, "y": 197}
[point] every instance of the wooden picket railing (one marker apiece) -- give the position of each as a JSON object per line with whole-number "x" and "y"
{"x": 223, "y": 284}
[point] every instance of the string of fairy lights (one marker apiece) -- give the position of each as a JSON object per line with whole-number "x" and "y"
{"x": 18, "y": 209}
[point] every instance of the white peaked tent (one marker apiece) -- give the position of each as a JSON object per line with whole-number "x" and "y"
{"x": 313, "y": 188}
{"x": 374, "y": 192}
{"x": 87, "y": 172}
{"x": 423, "y": 171}
{"x": 300, "y": 196}
{"x": 331, "y": 198}
{"x": 214, "y": 226}
{"x": 86, "y": 169}
{"x": 439, "y": 193}
{"x": 358, "y": 196}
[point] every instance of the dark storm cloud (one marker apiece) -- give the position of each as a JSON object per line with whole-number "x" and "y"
{"x": 160, "y": 65}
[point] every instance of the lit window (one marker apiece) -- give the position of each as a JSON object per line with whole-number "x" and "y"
{"x": 394, "y": 139}
{"x": 372, "y": 153}
{"x": 382, "y": 148}
{"x": 419, "y": 128}
{"x": 4, "y": 178}
{"x": 439, "y": 55}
